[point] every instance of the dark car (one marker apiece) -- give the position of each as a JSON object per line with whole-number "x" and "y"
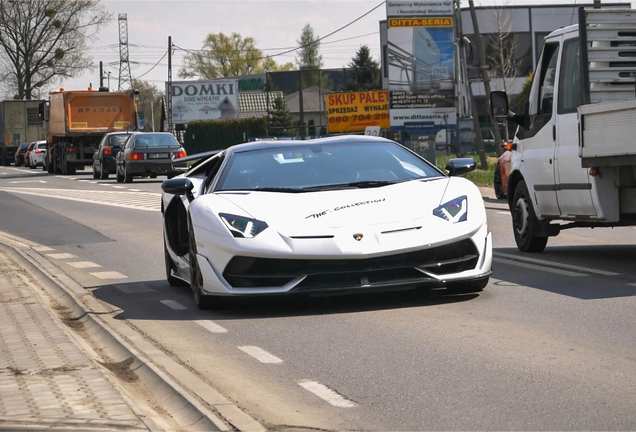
{"x": 148, "y": 155}
{"x": 104, "y": 162}
{"x": 19, "y": 156}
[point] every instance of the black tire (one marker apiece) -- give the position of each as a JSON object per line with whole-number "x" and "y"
{"x": 467, "y": 287}
{"x": 31, "y": 166}
{"x": 497, "y": 183}
{"x": 525, "y": 222}
{"x": 102, "y": 173}
{"x": 128, "y": 178}
{"x": 50, "y": 169}
{"x": 95, "y": 175}
{"x": 70, "y": 168}
{"x": 153, "y": 175}
{"x": 118, "y": 175}
{"x": 202, "y": 301}
{"x": 173, "y": 281}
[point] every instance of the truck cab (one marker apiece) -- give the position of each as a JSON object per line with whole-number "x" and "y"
{"x": 554, "y": 184}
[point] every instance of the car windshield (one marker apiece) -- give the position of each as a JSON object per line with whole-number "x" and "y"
{"x": 117, "y": 140}
{"x": 41, "y": 146}
{"x": 323, "y": 167}
{"x": 23, "y": 146}
{"x": 156, "y": 140}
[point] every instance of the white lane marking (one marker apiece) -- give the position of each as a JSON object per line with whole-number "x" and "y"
{"x": 260, "y": 354}
{"x": 83, "y": 180}
{"x": 119, "y": 187}
{"x": 135, "y": 190}
{"x": 83, "y": 264}
{"x": 60, "y": 176}
{"x": 61, "y": 256}
{"x": 537, "y": 267}
{"x": 109, "y": 275}
{"x": 28, "y": 181}
{"x": 42, "y": 248}
{"x": 147, "y": 201}
{"x": 172, "y": 304}
{"x": 93, "y": 182}
{"x": 72, "y": 178}
{"x": 134, "y": 288}
{"x": 326, "y": 394}
{"x": 558, "y": 265}
{"x": 104, "y": 184}
{"x": 211, "y": 326}
{"x": 504, "y": 213}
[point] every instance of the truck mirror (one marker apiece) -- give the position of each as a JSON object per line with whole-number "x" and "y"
{"x": 499, "y": 106}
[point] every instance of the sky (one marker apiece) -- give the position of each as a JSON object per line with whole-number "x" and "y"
{"x": 275, "y": 25}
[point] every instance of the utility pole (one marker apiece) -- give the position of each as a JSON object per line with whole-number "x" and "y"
{"x": 169, "y": 89}
{"x": 484, "y": 75}
{"x": 125, "y": 77}
{"x": 300, "y": 105}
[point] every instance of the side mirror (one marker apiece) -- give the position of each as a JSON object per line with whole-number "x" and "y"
{"x": 499, "y": 106}
{"x": 179, "y": 186}
{"x": 460, "y": 166}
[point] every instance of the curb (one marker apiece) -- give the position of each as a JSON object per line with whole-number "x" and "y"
{"x": 113, "y": 337}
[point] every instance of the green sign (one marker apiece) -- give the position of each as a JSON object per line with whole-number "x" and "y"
{"x": 251, "y": 84}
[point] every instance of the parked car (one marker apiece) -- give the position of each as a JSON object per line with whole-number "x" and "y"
{"x": 148, "y": 155}
{"x": 27, "y": 154}
{"x": 502, "y": 171}
{"x": 19, "y": 155}
{"x": 338, "y": 214}
{"x": 104, "y": 162}
{"x": 36, "y": 154}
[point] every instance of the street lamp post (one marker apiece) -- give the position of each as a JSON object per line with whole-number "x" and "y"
{"x": 108, "y": 72}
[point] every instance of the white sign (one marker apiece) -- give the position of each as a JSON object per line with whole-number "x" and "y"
{"x": 204, "y": 100}
{"x": 419, "y": 8}
{"x": 372, "y": 130}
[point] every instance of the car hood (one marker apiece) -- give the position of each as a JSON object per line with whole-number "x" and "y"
{"x": 293, "y": 212}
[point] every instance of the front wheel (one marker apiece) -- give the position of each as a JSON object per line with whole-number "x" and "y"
{"x": 196, "y": 278}
{"x": 525, "y": 222}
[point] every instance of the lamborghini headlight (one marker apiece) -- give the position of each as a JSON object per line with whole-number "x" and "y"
{"x": 241, "y": 226}
{"x": 453, "y": 211}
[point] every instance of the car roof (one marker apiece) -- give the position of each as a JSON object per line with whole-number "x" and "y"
{"x": 342, "y": 139}
{"x": 123, "y": 133}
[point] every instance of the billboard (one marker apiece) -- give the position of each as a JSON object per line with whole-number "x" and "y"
{"x": 204, "y": 100}
{"x": 421, "y": 57}
{"x": 352, "y": 112}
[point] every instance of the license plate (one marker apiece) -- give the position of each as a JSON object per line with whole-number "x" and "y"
{"x": 158, "y": 155}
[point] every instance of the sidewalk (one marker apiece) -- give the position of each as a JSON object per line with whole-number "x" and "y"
{"x": 46, "y": 380}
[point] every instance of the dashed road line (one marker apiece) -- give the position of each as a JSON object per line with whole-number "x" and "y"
{"x": 326, "y": 394}
{"x": 119, "y": 187}
{"x": 537, "y": 267}
{"x": 211, "y": 326}
{"x": 260, "y": 354}
{"x": 83, "y": 264}
{"x": 109, "y": 275}
{"x": 61, "y": 256}
{"x": 557, "y": 265}
{"x": 173, "y": 304}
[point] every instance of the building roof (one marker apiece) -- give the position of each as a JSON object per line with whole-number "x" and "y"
{"x": 254, "y": 104}
{"x": 313, "y": 100}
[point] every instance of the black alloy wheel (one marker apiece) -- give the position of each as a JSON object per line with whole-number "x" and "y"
{"x": 196, "y": 279}
{"x": 525, "y": 223}
{"x": 497, "y": 183}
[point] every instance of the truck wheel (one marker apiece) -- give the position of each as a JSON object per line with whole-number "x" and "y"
{"x": 497, "y": 183}
{"x": 127, "y": 176}
{"x": 524, "y": 221}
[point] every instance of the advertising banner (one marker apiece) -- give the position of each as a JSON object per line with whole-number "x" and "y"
{"x": 352, "y": 112}
{"x": 421, "y": 57}
{"x": 204, "y": 100}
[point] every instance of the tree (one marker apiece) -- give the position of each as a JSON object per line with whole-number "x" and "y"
{"x": 149, "y": 103}
{"x": 45, "y": 41}
{"x": 280, "y": 118}
{"x": 309, "y": 60}
{"x": 225, "y": 56}
{"x": 365, "y": 71}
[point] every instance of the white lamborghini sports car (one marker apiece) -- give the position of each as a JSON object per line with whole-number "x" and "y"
{"x": 339, "y": 214}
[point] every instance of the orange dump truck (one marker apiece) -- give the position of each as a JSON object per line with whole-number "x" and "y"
{"x": 77, "y": 121}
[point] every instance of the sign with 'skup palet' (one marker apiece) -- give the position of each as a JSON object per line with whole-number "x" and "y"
{"x": 353, "y": 112}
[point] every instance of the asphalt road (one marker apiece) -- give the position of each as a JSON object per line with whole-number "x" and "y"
{"x": 549, "y": 345}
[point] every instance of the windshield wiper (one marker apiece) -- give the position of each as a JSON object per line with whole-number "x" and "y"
{"x": 278, "y": 189}
{"x": 372, "y": 183}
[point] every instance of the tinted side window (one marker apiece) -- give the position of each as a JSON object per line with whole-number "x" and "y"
{"x": 546, "y": 86}
{"x": 569, "y": 78}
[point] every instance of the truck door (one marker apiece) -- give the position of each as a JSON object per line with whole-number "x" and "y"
{"x": 574, "y": 190}
{"x": 537, "y": 143}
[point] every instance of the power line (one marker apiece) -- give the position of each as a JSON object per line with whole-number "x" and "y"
{"x": 299, "y": 47}
{"x": 155, "y": 65}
